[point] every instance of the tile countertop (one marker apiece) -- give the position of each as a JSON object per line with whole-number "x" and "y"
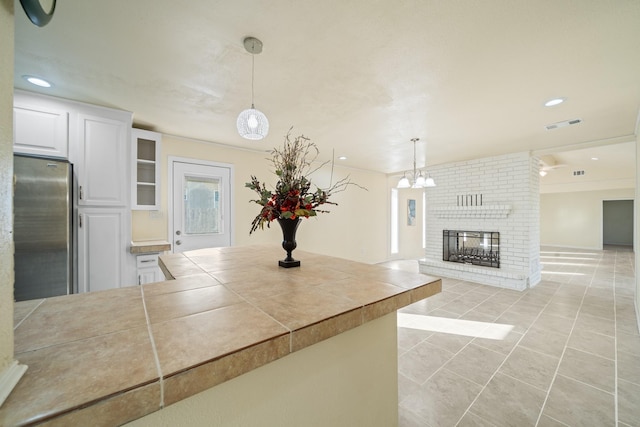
{"x": 108, "y": 357}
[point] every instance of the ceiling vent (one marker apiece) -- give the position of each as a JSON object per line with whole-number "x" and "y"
{"x": 559, "y": 125}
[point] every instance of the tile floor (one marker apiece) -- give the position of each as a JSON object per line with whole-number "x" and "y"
{"x": 565, "y": 353}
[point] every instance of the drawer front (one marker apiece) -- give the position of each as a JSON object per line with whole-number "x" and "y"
{"x": 147, "y": 260}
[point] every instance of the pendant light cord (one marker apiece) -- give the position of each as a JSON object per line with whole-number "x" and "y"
{"x": 253, "y": 63}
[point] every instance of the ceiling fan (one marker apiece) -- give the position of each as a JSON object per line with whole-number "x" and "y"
{"x": 549, "y": 163}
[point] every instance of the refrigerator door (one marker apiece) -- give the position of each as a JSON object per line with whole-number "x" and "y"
{"x": 42, "y": 228}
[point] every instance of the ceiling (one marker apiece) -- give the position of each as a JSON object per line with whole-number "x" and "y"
{"x": 360, "y": 78}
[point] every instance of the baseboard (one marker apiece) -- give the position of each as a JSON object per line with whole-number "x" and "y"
{"x": 9, "y": 378}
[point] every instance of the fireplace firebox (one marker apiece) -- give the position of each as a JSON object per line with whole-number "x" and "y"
{"x": 471, "y": 247}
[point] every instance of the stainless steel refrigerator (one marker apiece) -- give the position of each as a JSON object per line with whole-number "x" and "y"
{"x": 43, "y": 228}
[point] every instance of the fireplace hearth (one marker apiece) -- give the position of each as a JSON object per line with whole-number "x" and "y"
{"x": 471, "y": 247}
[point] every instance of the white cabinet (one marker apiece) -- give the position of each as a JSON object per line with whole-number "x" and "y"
{"x": 96, "y": 141}
{"x": 148, "y": 270}
{"x": 40, "y": 127}
{"x": 145, "y": 171}
{"x": 101, "y": 249}
{"x": 102, "y": 147}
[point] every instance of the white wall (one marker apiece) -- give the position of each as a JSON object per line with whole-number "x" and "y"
{"x": 356, "y": 229}
{"x": 575, "y": 219}
{"x": 409, "y": 236}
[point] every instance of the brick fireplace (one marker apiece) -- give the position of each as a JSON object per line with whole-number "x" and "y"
{"x": 499, "y": 194}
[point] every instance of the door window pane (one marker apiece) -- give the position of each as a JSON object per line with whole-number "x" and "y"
{"x": 202, "y": 213}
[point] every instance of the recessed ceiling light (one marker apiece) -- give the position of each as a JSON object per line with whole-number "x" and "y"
{"x": 554, "y": 101}
{"x": 342, "y": 158}
{"x": 37, "y": 81}
{"x": 594, "y": 158}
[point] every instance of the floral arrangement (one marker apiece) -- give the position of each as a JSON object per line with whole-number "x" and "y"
{"x": 293, "y": 196}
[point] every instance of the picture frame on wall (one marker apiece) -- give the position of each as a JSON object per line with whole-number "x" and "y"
{"x": 411, "y": 212}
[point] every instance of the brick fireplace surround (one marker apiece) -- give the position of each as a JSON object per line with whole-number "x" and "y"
{"x": 510, "y": 189}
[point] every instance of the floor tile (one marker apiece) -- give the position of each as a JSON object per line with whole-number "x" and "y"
{"x": 443, "y": 399}
{"x": 459, "y": 306}
{"x": 520, "y": 321}
{"x": 451, "y": 343}
{"x": 422, "y": 361}
{"x": 407, "y": 418}
{"x": 478, "y": 317}
{"x": 503, "y": 346}
{"x": 577, "y": 404}
{"x": 628, "y": 343}
{"x": 595, "y": 324}
{"x": 508, "y": 402}
{"x": 552, "y": 323}
{"x": 629, "y": 367}
{"x": 492, "y": 307}
{"x": 544, "y": 341}
{"x": 475, "y": 363}
{"x": 546, "y": 421}
{"x": 406, "y": 387}
{"x": 602, "y": 310}
{"x": 507, "y": 296}
{"x": 589, "y": 369}
{"x": 601, "y": 345}
{"x": 409, "y": 337}
{"x": 628, "y": 402}
{"x": 531, "y": 367}
{"x": 472, "y": 420}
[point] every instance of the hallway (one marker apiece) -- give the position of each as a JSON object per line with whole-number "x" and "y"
{"x": 565, "y": 353}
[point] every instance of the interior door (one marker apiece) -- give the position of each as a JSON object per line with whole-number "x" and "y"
{"x": 201, "y": 206}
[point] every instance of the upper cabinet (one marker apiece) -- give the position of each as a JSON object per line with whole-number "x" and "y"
{"x": 145, "y": 173}
{"x": 40, "y": 128}
{"x": 103, "y": 151}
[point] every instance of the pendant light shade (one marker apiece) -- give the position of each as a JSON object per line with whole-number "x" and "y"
{"x": 418, "y": 180}
{"x": 404, "y": 182}
{"x": 252, "y": 123}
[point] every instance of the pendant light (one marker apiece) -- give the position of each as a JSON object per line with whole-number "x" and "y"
{"x": 418, "y": 180}
{"x": 252, "y": 123}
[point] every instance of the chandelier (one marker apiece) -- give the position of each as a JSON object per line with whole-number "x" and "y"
{"x": 252, "y": 123}
{"x": 418, "y": 180}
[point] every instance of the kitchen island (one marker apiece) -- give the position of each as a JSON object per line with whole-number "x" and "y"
{"x": 231, "y": 339}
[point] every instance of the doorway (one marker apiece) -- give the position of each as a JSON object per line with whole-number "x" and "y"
{"x": 617, "y": 222}
{"x": 201, "y": 200}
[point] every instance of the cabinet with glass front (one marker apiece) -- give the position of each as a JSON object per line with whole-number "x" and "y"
{"x": 145, "y": 175}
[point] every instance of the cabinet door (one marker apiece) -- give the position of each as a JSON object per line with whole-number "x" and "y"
{"x": 145, "y": 171}
{"x": 101, "y": 249}
{"x": 148, "y": 275}
{"x": 103, "y": 167}
{"x": 41, "y": 130}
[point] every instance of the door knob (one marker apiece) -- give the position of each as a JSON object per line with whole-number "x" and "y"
{"x": 178, "y": 233}
{"x": 178, "y": 242}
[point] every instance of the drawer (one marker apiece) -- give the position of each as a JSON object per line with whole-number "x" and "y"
{"x": 147, "y": 260}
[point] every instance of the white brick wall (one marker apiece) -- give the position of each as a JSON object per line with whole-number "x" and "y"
{"x": 509, "y": 185}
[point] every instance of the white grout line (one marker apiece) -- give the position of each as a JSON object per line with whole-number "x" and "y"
{"x": 155, "y": 351}
{"x": 29, "y": 314}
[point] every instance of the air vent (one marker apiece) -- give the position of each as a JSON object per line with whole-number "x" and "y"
{"x": 559, "y": 125}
